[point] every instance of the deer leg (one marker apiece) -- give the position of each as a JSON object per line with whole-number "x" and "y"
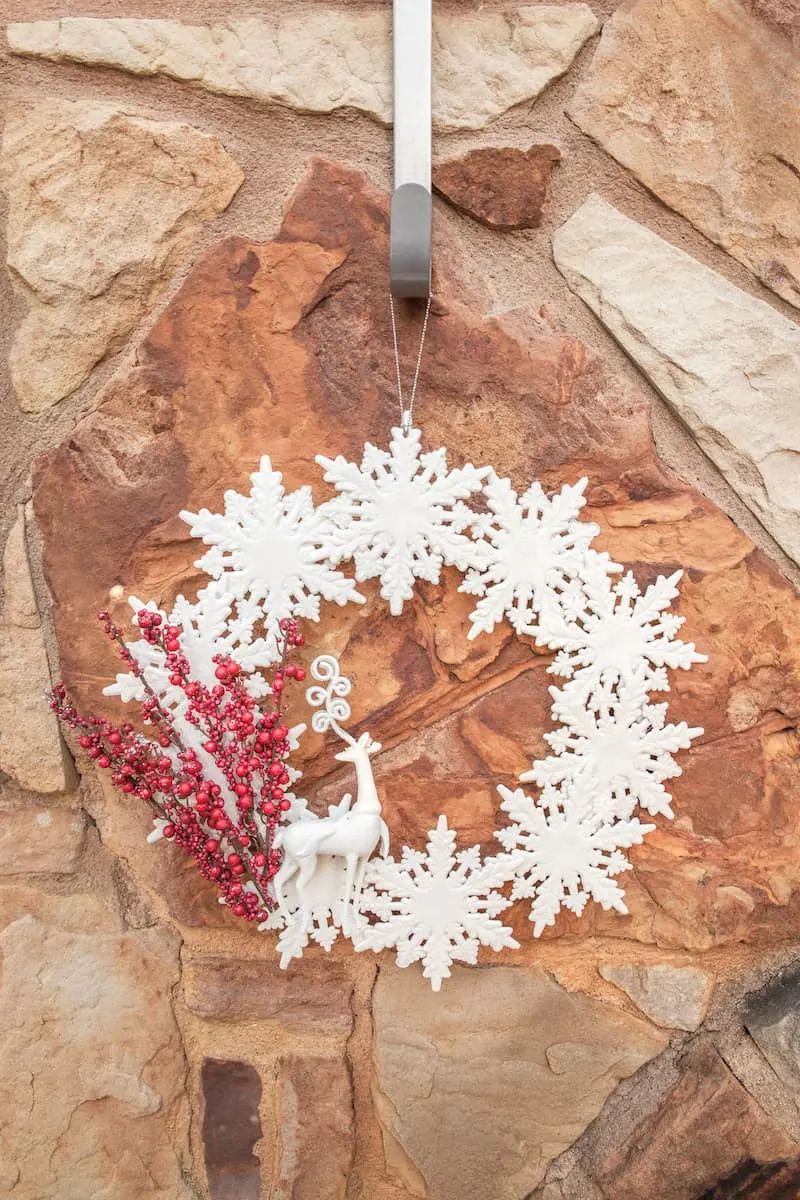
{"x": 358, "y": 887}
{"x": 307, "y": 868}
{"x": 352, "y": 863}
{"x": 288, "y": 868}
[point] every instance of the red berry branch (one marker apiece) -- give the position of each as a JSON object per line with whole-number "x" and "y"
{"x": 221, "y": 799}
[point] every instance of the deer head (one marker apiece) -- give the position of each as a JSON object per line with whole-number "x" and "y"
{"x": 363, "y": 747}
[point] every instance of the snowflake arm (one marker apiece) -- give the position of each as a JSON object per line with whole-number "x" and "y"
{"x": 401, "y": 515}
{"x": 436, "y": 907}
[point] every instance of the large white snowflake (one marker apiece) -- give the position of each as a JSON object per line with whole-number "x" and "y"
{"x": 613, "y": 749}
{"x": 606, "y": 631}
{"x": 271, "y": 553}
{"x": 401, "y": 515}
{"x": 562, "y": 854}
{"x": 436, "y": 907}
{"x": 532, "y": 546}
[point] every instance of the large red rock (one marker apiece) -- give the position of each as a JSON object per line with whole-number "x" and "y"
{"x": 285, "y": 348}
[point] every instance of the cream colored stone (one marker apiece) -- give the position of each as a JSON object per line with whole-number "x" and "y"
{"x": 675, "y": 997}
{"x": 102, "y": 203}
{"x": 34, "y": 841}
{"x": 700, "y": 101}
{"x": 31, "y": 749}
{"x": 91, "y": 1065}
{"x": 727, "y": 363}
{"x": 327, "y": 58}
{"x": 484, "y": 1084}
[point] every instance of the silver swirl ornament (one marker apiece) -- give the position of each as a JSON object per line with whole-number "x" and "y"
{"x": 328, "y": 696}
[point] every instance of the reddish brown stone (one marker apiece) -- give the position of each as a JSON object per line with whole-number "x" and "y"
{"x": 285, "y": 348}
{"x": 313, "y": 997}
{"x": 501, "y": 187}
{"x": 231, "y": 1128}
{"x": 316, "y": 1128}
{"x": 707, "y": 1128}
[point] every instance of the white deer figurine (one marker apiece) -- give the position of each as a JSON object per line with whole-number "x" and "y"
{"x": 352, "y": 833}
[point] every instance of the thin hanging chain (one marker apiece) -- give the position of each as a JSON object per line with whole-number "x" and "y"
{"x": 406, "y": 414}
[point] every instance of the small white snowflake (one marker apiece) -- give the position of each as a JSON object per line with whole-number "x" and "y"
{"x": 400, "y": 515}
{"x": 604, "y": 632}
{"x": 436, "y": 907}
{"x": 532, "y": 546}
{"x": 271, "y": 553}
{"x": 563, "y": 855}
{"x": 613, "y": 749}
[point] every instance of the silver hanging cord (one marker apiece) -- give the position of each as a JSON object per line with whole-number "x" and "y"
{"x": 406, "y": 414}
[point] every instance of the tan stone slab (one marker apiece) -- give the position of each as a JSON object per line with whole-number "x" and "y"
{"x": 102, "y": 203}
{"x": 726, "y": 362}
{"x": 700, "y": 101}
{"x": 316, "y": 1129}
{"x": 675, "y": 997}
{"x": 91, "y": 1065}
{"x": 327, "y": 58}
{"x": 312, "y": 997}
{"x": 489, "y": 1081}
{"x": 35, "y": 841}
{"x": 31, "y": 750}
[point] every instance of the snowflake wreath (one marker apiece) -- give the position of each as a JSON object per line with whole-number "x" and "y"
{"x": 399, "y": 516}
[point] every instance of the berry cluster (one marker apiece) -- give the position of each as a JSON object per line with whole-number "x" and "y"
{"x": 220, "y": 799}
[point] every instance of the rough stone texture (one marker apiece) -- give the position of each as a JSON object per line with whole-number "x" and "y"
{"x": 705, "y": 1129}
{"x": 530, "y": 1063}
{"x": 724, "y": 361}
{"x": 313, "y": 998}
{"x": 102, "y": 205}
{"x": 91, "y": 1067}
{"x": 31, "y": 750}
{"x": 326, "y": 58}
{"x": 675, "y": 997}
{"x": 231, "y": 1128}
{"x": 316, "y": 1129}
{"x": 286, "y": 347}
{"x": 34, "y": 841}
{"x": 772, "y": 1019}
{"x": 700, "y": 101}
{"x": 502, "y": 187}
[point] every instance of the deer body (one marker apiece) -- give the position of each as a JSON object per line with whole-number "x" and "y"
{"x": 352, "y": 835}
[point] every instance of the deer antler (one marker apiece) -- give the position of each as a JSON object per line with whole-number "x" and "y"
{"x": 329, "y": 699}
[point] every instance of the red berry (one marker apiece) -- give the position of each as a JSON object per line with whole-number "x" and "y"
{"x": 285, "y": 805}
{"x": 169, "y": 831}
{"x": 212, "y": 845}
{"x": 259, "y": 860}
{"x": 299, "y": 674}
{"x": 184, "y": 790}
{"x": 172, "y": 645}
{"x": 85, "y": 741}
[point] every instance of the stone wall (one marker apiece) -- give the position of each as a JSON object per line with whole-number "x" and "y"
{"x": 196, "y": 239}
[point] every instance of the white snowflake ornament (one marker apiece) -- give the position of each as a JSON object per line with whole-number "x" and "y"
{"x": 401, "y": 515}
{"x": 271, "y": 553}
{"x": 612, "y": 631}
{"x": 532, "y": 546}
{"x": 562, "y": 854}
{"x": 436, "y": 907}
{"x": 613, "y": 749}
